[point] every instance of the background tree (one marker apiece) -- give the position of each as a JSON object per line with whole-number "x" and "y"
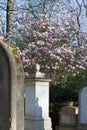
{"x": 9, "y": 18}
{"x": 43, "y": 40}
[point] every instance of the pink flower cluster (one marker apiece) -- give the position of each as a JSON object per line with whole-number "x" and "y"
{"x": 51, "y": 45}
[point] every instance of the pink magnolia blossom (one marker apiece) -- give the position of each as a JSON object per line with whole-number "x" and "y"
{"x": 50, "y": 45}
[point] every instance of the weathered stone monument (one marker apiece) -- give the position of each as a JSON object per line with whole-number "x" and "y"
{"x": 82, "y": 120}
{"x": 11, "y": 89}
{"x": 37, "y": 102}
{"x": 68, "y": 118}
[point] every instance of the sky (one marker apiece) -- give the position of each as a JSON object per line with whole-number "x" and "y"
{"x": 83, "y": 18}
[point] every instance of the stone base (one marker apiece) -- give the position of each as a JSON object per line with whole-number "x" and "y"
{"x": 37, "y": 123}
{"x": 82, "y": 127}
{"x": 66, "y": 127}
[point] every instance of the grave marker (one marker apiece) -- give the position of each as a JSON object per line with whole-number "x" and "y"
{"x": 82, "y": 119}
{"x": 11, "y": 89}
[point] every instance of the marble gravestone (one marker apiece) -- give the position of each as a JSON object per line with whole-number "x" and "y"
{"x": 83, "y": 106}
{"x": 82, "y": 119}
{"x": 37, "y": 101}
{"x": 4, "y": 93}
{"x": 11, "y": 89}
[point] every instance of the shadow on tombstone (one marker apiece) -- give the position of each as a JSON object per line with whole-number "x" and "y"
{"x": 11, "y": 89}
{"x": 38, "y": 108}
{"x": 39, "y": 113}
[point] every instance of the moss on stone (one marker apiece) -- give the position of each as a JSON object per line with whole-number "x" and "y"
{"x": 14, "y": 51}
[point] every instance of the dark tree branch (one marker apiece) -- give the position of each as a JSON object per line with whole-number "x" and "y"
{"x": 9, "y": 17}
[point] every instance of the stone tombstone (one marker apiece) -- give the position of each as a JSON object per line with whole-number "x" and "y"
{"x": 83, "y": 106}
{"x": 68, "y": 115}
{"x": 11, "y": 89}
{"x": 68, "y": 118}
{"x": 37, "y": 101}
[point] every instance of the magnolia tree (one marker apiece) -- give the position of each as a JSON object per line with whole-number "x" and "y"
{"x": 53, "y": 45}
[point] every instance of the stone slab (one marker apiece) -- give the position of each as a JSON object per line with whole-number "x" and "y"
{"x": 82, "y": 127}
{"x": 66, "y": 127}
{"x": 83, "y": 106}
{"x": 4, "y": 92}
{"x": 11, "y": 88}
{"x": 37, "y": 123}
{"x": 68, "y": 115}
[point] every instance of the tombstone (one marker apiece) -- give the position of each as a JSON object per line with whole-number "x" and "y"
{"x": 11, "y": 89}
{"x": 37, "y": 101}
{"x": 68, "y": 118}
{"x": 82, "y": 120}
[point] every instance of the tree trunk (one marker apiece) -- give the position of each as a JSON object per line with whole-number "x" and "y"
{"x": 9, "y": 17}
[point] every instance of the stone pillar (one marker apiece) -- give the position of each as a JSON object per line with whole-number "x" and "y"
{"x": 37, "y": 102}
